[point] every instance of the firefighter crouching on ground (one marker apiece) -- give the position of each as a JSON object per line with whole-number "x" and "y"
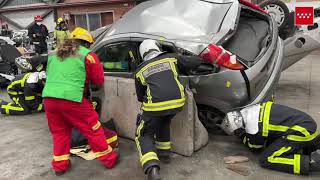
{"x": 287, "y": 137}
{"x": 25, "y": 91}
{"x": 61, "y": 32}
{"x": 162, "y": 96}
{"x": 69, "y": 71}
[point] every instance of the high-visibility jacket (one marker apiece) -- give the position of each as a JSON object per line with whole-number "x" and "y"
{"x": 61, "y": 35}
{"x": 16, "y": 87}
{"x": 276, "y": 121}
{"x": 27, "y": 95}
{"x": 285, "y": 135}
{"x": 66, "y": 78}
{"x": 158, "y": 86}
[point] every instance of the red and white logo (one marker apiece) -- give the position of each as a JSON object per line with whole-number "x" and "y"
{"x": 304, "y": 16}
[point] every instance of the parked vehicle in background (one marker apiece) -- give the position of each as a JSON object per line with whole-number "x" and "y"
{"x": 305, "y": 40}
{"x": 21, "y": 38}
{"x": 278, "y": 10}
{"x": 283, "y": 12}
{"x": 8, "y": 54}
{"x": 299, "y": 41}
{"x": 6, "y": 40}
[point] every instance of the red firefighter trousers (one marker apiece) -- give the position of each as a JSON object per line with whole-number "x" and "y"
{"x": 62, "y": 116}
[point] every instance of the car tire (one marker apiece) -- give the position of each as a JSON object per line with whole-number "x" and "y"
{"x": 278, "y": 10}
{"x": 209, "y": 118}
{"x": 4, "y": 82}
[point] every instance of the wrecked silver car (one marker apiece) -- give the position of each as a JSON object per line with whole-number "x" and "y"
{"x": 239, "y": 37}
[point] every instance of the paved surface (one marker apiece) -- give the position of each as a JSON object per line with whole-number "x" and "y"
{"x": 25, "y": 143}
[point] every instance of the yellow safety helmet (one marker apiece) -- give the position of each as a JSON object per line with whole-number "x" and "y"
{"x": 60, "y": 20}
{"x": 82, "y": 34}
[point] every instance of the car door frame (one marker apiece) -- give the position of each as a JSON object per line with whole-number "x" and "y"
{"x": 112, "y": 41}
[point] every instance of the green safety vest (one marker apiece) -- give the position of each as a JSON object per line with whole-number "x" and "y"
{"x": 66, "y": 79}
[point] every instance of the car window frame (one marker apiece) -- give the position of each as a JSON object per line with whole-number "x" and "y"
{"x": 115, "y": 73}
{"x": 132, "y": 40}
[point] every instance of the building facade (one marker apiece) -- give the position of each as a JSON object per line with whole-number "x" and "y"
{"x": 92, "y": 14}
{"x": 16, "y": 15}
{"x": 89, "y": 14}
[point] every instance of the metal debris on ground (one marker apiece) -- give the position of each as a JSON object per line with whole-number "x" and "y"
{"x": 232, "y": 163}
{"x": 235, "y": 159}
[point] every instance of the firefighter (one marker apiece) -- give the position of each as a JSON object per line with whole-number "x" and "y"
{"x": 162, "y": 96}
{"x": 70, "y": 72}
{"x": 288, "y": 138}
{"x": 61, "y": 32}
{"x": 38, "y": 33}
{"x": 25, "y": 92}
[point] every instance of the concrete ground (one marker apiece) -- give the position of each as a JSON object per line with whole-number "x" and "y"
{"x": 25, "y": 143}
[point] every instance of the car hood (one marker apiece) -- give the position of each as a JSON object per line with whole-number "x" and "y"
{"x": 177, "y": 19}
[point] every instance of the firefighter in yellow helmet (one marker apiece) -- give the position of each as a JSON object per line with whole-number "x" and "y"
{"x": 70, "y": 70}
{"x": 83, "y": 35}
{"x": 61, "y": 32}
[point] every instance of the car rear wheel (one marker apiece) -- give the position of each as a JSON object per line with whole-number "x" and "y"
{"x": 210, "y": 117}
{"x": 278, "y": 10}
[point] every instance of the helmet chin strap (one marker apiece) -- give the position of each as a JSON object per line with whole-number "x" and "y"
{"x": 243, "y": 124}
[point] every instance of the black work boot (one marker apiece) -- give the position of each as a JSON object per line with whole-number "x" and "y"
{"x": 110, "y": 125}
{"x": 316, "y": 142}
{"x": 315, "y": 161}
{"x": 153, "y": 173}
{"x": 164, "y": 156}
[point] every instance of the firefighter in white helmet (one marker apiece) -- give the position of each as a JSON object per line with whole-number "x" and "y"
{"x": 288, "y": 138}
{"x": 162, "y": 95}
{"x": 25, "y": 92}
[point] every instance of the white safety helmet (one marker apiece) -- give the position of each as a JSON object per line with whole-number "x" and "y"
{"x": 232, "y": 122}
{"x": 35, "y": 77}
{"x": 148, "y": 46}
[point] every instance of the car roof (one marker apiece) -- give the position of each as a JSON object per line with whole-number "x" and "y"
{"x": 174, "y": 19}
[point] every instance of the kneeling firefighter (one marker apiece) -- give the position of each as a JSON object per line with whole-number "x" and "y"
{"x": 70, "y": 70}
{"x": 25, "y": 91}
{"x": 287, "y": 137}
{"x": 162, "y": 96}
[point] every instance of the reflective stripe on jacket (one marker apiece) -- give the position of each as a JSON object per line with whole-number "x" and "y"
{"x": 158, "y": 85}
{"x": 278, "y": 121}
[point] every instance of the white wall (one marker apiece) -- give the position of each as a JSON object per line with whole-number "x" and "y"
{"x": 24, "y": 18}
{"x": 49, "y": 22}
